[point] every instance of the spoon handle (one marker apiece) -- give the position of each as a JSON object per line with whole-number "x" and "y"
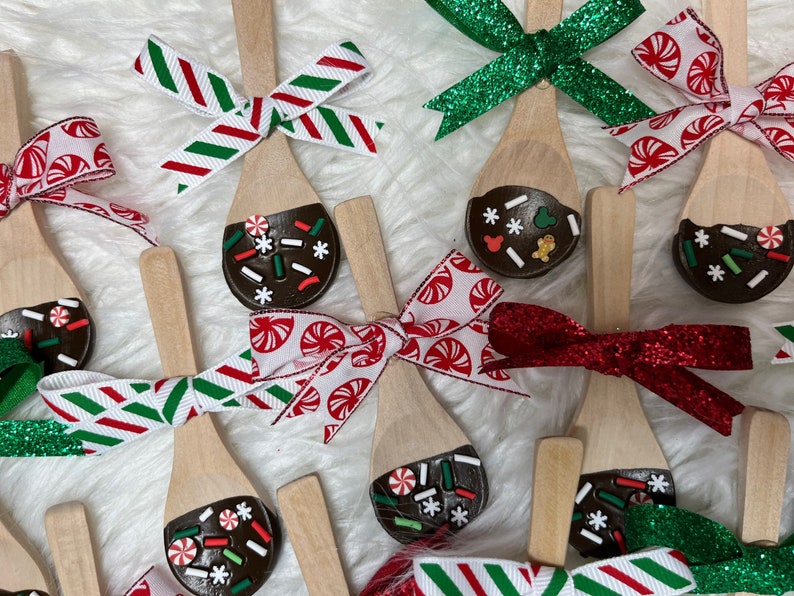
{"x": 728, "y": 20}
{"x": 70, "y": 542}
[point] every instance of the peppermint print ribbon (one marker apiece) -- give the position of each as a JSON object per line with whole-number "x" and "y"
{"x": 296, "y": 107}
{"x": 531, "y": 335}
{"x": 686, "y": 54}
{"x": 719, "y": 562}
{"x": 660, "y": 572}
{"x": 527, "y": 58}
{"x": 439, "y": 328}
{"x": 155, "y": 583}
{"x": 52, "y": 161}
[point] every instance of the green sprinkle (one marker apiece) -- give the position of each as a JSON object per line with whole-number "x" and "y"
{"x": 742, "y": 254}
{"x": 233, "y": 239}
{"x": 46, "y": 343}
{"x": 384, "y": 499}
{"x": 187, "y": 532}
{"x": 731, "y": 264}
{"x": 404, "y": 522}
{"x": 232, "y": 556}
{"x": 446, "y": 470}
{"x": 240, "y": 586}
{"x": 689, "y": 251}
{"x": 317, "y": 227}
{"x": 577, "y": 515}
{"x": 278, "y": 263}
{"x": 610, "y": 498}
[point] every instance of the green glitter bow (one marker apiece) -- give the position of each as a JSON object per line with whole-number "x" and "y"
{"x": 719, "y": 562}
{"x": 528, "y": 58}
{"x": 19, "y": 373}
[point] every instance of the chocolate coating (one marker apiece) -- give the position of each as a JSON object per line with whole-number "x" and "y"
{"x": 23, "y": 593}
{"x": 275, "y": 262}
{"x": 52, "y": 336}
{"x": 698, "y": 253}
{"x": 537, "y": 230}
{"x": 599, "y": 510}
{"x": 228, "y": 551}
{"x": 454, "y": 493}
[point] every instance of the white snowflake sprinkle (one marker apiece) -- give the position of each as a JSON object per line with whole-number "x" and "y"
{"x": 460, "y": 516}
{"x": 657, "y": 483}
{"x": 263, "y": 295}
{"x": 597, "y": 520}
{"x": 320, "y": 250}
{"x": 514, "y": 226}
{"x": 10, "y": 334}
{"x": 244, "y": 511}
{"x": 263, "y": 244}
{"x": 716, "y": 273}
{"x": 701, "y": 238}
{"x": 490, "y": 215}
{"x": 219, "y": 575}
{"x": 431, "y": 507}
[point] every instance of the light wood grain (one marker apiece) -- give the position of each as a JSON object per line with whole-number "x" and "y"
{"x": 411, "y": 425}
{"x": 305, "y": 515}
{"x": 558, "y": 462}
{"x": 271, "y": 180}
{"x": 30, "y": 271}
{"x": 72, "y": 550}
{"x": 22, "y": 568}
{"x": 203, "y": 470}
{"x": 734, "y": 184}
{"x": 610, "y": 421}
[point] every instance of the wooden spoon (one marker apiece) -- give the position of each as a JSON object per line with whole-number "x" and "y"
{"x": 623, "y": 463}
{"x": 23, "y": 570}
{"x": 221, "y": 538}
{"x": 423, "y": 469}
{"x": 34, "y": 281}
{"x": 272, "y": 181}
{"x": 309, "y": 528}
{"x": 70, "y": 542}
{"x": 734, "y": 187}
{"x": 523, "y": 215}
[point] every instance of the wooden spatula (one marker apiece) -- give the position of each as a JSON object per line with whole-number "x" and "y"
{"x": 736, "y": 232}
{"x": 623, "y": 463}
{"x": 424, "y": 472}
{"x": 69, "y": 536}
{"x": 39, "y": 302}
{"x": 220, "y": 538}
{"x": 523, "y": 215}
{"x": 276, "y": 224}
{"x": 23, "y": 570}
{"x": 309, "y": 528}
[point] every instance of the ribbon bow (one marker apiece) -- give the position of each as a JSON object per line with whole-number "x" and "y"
{"x": 294, "y": 107}
{"x": 19, "y": 373}
{"x": 535, "y": 336}
{"x": 52, "y": 161}
{"x": 529, "y": 57}
{"x": 686, "y": 54}
{"x": 719, "y": 562}
{"x": 660, "y": 571}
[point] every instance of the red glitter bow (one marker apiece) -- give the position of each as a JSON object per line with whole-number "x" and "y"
{"x": 656, "y": 359}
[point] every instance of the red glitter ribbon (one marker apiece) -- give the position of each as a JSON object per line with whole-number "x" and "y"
{"x": 532, "y": 336}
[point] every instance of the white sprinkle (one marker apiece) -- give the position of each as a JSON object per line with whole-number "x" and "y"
{"x": 206, "y": 515}
{"x": 70, "y": 303}
{"x": 67, "y": 359}
{"x": 590, "y": 536}
{"x": 196, "y": 572}
{"x": 257, "y": 548}
{"x": 251, "y": 274}
{"x": 32, "y": 314}
{"x": 516, "y": 202}
{"x": 757, "y": 279}
{"x": 34, "y": 593}
{"x": 733, "y": 233}
{"x": 516, "y": 259}
{"x": 301, "y": 268}
{"x": 582, "y": 492}
{"x": 422, "y": 474}
{"x": 292, "y": 242}
{"x": 424, "y": 494}
{"x": 572, "y": 223}
{"x": 466, "y": 459}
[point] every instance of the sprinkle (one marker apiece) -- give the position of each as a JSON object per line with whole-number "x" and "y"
{"x": 425, "y": 494}
{"x": 630, "y": 482}
{"x": 77, "y": 324}
{"x": 46, "y": 343}
{"x": 302, "y": 226}
{"x": 206, "y": 515}
{"x": 466, "y": 459}
{"x": 251, "y": 274}
{"x": 466, "y": 494}
{"x": 404, "y": 522}
{"x": 308, "y": 282}
{"x": 610, "y": 498}
{"x": 577, "y": 515}
{"x": 777, "y": 256}
{"x": 278, "y": 263}
{"x": 233, "y": 239}
{"x": 240, "y": 586}
{"x": 69, "y": 303}
{"x": 619, "y": 539}
{"x": 516, "y": 202}
{"x": 742, "y": 254}
{"x": 733, "y": 233}
{"x": 301, "y": 269}
{"x": 573, "y": 225}
{"x": 317, "y": 227}
{"x": 196, "y": 572}
{"x": 514, "y": 256}
{"x": 67, "y": 360}
{"x": 422, "y": 474}
{"x": 731, "y": 264}
{"x": 582, "y": 492}
{"x": 27, "y": 339}
{"x": 232, "y": 556}
{"x": 215, "y": 542}
{"x": 241, "y": 256}
{"x": 186, "y": 532}
{"x": 446, "y": 471}
{"x": 757, "y": 279}
{"x": 292, "y": 242}
{"x": 689, "y": 251}
{"x": 590, "y": 536}
{"x": 32, "y": 314}
{"x": 257, "y": 548}
{"x": 384, "y": 499}
{"x": 261, "y": 531}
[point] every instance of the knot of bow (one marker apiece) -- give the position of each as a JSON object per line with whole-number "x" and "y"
{"x": 720, "y": 563}
{"x": 295, "y": 107}
{"x": 55, "y": 159}
{"x": 527, "y": 58}
{"x": 686, "y": 54}
{"x": 532, "y": 336}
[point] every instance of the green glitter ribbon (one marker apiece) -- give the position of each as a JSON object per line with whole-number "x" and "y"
{"x": 719, "y": 562}
{"x": 19, "y": 373}
{"x": 527, "y": 58}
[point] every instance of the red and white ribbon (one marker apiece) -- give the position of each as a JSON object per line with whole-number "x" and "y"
{"x": 52, "y": 161}
{"x": 686, "y": 54}
{"x": 155, "y": 583}
{"x": 439, "y": 328}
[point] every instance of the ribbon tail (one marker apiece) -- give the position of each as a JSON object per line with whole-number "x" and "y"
{"x": 335, "y": 127}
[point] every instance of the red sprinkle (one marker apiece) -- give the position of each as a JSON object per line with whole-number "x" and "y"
{"x": 240, "y": 256}
{"x": 209, "y": 542}
{"x": 621, "y": 481}
{"x": 778, "y": 256}
{"x": 466, "y": 494}
{"x": 77, "y": 324}
{"x": 302, "y": 226}
{"x": 27, "y": 338}
{"x": 308, "y": 282}
{"x": 261, "y": 531}
{"x": 619, "y": 539}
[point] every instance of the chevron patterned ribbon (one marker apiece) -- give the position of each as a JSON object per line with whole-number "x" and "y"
{"x": 785, "y": 355}
{"x": 660, "y": 571}
{"x": 296, "y": 107}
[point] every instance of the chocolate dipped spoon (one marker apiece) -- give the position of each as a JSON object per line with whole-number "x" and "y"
{"x": 23, "y": 572}
{"x": 623, "y": 464}
{"x": 736, "y": 232}
{"x": 424, "y": 472}
{"x": 39, "y": 302}
{"x": 523, "y": 215}
{"x": 220, "y": 538}
{"x": 70, "y": 542}
{"x": 286, "y": 259}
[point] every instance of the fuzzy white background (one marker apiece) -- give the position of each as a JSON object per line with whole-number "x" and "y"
{"x": 77, "y": 56}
